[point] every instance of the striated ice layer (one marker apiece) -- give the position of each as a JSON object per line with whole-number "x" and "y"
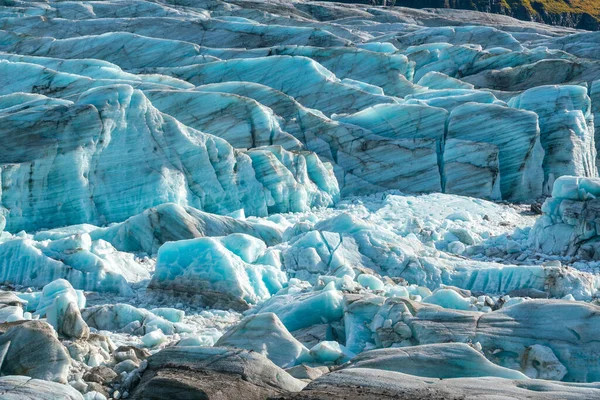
{"x": 566, "y": 130}
{"x": 83, "y": 161}
{"x": 319, "y": 88}
{"x": 568, "y": 224}
{"x": 518, "y": 143}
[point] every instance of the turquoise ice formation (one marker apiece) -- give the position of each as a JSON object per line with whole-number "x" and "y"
{"x": 332, "y": 186}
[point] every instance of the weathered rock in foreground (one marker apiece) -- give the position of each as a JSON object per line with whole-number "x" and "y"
{"x": 16, "y": 387}
{"x": 215, "y": 373}
{"x": 367, "y": 384}
{"x": 34, "y": 351}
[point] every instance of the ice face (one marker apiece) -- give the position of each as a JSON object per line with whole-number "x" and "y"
{"x": 169, "y": 177}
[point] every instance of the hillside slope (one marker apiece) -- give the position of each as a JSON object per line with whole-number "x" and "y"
{"x": 581, "y": 14}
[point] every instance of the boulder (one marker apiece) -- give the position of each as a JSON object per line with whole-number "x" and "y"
{"x": 367, "y": 384}
{"x": 16, "y": 387}
{"x": 34, "y": 351}
{"x": 214, "y": 373}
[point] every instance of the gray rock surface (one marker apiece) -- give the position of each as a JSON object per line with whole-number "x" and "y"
{"x": 14, "y": 387}
{"x": 213, "y": 373}
{"x": 363, "y": 384}
{"x": 34, "y": 351}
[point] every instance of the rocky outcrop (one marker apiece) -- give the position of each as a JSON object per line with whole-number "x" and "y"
{"x": 34, "y": 351}
{"x": 213, "y": 373}
{"x": 523, "y": 10}
{"x": 366, "y": 384}
{"x": 15, "y": 387}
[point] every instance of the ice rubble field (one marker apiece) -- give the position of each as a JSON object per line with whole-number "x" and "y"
{"x": 296, "y": 200}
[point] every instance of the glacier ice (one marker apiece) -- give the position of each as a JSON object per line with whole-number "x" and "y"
{"x": 443, "y": 360}
{"x": 263, "y": 181}
{"x": 219, "y": 271}
{"x": 567, "y": 226}
{"x": 566, "y": 129}
{"x": 61, "y": 304}
{"x": 266, "y": 334}
{"x": 519, "y": 149}
{"x": 337, "y": 187}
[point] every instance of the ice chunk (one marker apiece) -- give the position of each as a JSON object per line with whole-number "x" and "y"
{"x": 154, "y": 338}
{"x": 60, "y": 303}
{"x": 126, "y": 318}
{"x": 149, "y": 230}
{"x": 519, "y": 151}
{"x": 266, "y": 334}
{"x": 448, "y": 298}
{"x": 245, "y": 124}
{"x": 566, "y": 130}
{"x": 443, "y": 361}
{"x": 86, "y": 265}
{"x": 207, "y": 270}
{"x": 568, "y": 225}
{"x": 331, "y": 353}
{"x": 437, "y": 80}
{"x": 297, "y": 311}
{"x": 194, "y": 169}
{"x": 485, "y": 36}
{"x": 319, "y": 87}
{"x": 541, "y": 363}
{"x": 170, "y": 314}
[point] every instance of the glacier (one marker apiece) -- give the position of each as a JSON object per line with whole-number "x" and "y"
{"x": 286, "y": 199}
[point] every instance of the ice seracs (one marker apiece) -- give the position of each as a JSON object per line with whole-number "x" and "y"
{"x": 268, "y": 199}
{"x": 567, "y": 226}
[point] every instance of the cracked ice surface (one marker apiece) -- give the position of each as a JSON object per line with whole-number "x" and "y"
{"x": 324, "y": 185}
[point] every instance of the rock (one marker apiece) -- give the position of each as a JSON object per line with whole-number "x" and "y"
{"x": 96, "y": 389}
{"x": 364, "y": 384}
{"x": 34, "y": 351}
{"x": 314, "y": 334}
{"x": 541, "y": 363}
{"x": 213, "y": 373}
{"x": 266, "y": 334}
{"x": 305, "y": 372}
{"x": 138, "y": 353}
{"x": 24, "y": 388}
{"x": 102, "y": 375}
